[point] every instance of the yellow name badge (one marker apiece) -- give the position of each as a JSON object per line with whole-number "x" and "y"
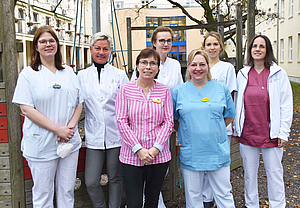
{"x": 205, "y": 99}
{"x": 156, "y": 100}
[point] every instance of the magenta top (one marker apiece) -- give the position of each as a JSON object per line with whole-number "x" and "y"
{"x": 144, "y": 122}
{"x": 256, "y": 131}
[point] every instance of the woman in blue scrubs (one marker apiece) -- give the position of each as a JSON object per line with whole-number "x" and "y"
{"x": 202, "y": 109}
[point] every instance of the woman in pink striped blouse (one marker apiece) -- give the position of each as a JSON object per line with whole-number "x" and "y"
{"x": 145, "y": 120}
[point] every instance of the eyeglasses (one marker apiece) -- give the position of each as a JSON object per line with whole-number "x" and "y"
{"x": 163, "y": 41}
{"x": 152, "y": 64}
{"x": 259, "y": 46}
{"x": 44, "y": 42}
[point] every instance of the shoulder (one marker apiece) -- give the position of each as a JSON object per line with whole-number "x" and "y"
{"x": 173, "y": 61}
{"x": 128, "y": 85}
{"x": 117, "y": 71}
{"x": 84, "y": 71}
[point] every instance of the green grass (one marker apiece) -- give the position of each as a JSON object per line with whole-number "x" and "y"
{"x": 296, "y": 96}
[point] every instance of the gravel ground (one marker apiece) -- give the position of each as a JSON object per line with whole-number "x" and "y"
{"x": 290, "y": 162}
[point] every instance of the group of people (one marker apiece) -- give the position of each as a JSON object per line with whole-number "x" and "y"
{"x": 128, "y": 123}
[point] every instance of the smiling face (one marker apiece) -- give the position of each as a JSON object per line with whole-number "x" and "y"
{"x": 100, "y": 51}
{"x": 198, "y": 68}
{"x": 163, "y": 49}
{"x": 212, "y": 47}
{"x": 259, "y": 50}
{"x": 46, "y": 46}
{"x": 147, "y": 67}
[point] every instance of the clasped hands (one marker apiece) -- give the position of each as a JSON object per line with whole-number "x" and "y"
{"x": 65, "y": 133}
{"x": 147, "y": 155}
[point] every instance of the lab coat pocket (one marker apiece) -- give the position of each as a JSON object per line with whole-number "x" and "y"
{"x": 113, "y": 90}
{"x": 216, "y": 111}
{"x": 224, "y": 152}
{"x": 33, "y": 145}
{"x": 72, "y": 97}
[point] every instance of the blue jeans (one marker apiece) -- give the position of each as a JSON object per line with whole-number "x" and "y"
{"x": 93, "y": 170}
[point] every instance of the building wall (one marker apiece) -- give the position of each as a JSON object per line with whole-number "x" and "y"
{"x": 193, "y": 37}
{"x": 34, "y": 13}
{"x": 289, "y": 29}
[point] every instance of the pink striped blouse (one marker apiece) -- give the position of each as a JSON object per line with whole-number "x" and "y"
{"x": 144, "y": 122}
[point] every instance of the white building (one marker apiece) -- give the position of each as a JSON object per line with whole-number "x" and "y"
{"x": 285, "y": 36}
{"x": 32, "y": 14}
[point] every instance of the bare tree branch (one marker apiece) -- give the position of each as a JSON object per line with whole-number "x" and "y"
{"x": 138, "y": 11}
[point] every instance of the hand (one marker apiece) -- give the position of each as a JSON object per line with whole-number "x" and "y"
{"x": 153, "y": 151}
{"x": 62, "y": 140}
{"x": 65, "y": 133}
{"x": 281, "y": 143}
{"x": 145, "y": 156}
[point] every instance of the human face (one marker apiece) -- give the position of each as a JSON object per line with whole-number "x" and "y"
{"x": 212, "y": 47}
{"x": 198, "y": 68}
{"x": 145, "y": 70}
{"x": 46, "y": 46}
{"x": 163, "y": 49}
{"x": 259, "y": 50}
{"x": 100, "y": 51}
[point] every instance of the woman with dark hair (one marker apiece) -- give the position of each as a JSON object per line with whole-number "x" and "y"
{"x": 202, "y": 109}
{"x": 48, "y": 94}
{"x": 223, "y": 72}
{"x": 264, "y": 106}
{"x": 145, "y": 121}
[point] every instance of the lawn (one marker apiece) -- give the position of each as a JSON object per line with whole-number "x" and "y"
{"x": 296, "y": 95}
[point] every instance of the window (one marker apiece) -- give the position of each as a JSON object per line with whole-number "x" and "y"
{"x": 35, "y": 17}
{"x": 47, "y": 20}
{"x": 145, "y": 3}
{"x": 290, "y": 39}
{"x": 178, "y": 50}
{"x": 291, "y": 8}
{"x": 57, "y": 23}
{"x": 69, "y": 26}
{"x": 119, "y": 4}
{"x": 282, "y": 9}
{"x": 21, "y": 14}
{"x": 275, "y": 49}
{"x": 282, "y": 50}
{"x": 276, "y": 12}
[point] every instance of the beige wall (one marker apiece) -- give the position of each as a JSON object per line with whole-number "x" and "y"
{"x": 193, "y": 37}
{"x": 289, "y": 26}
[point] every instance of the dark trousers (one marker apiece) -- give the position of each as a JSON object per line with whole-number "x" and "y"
{"x": 134, "y": 179}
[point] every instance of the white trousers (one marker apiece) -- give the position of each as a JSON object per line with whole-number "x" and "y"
{"x": 207, "y": 192}
{"x": 272, "y": 160}
{"x": 63, "y": 172}
{"x": 219, "y": 181}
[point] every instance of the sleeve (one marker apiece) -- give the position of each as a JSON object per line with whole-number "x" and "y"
{"x": 286, "y": 107}
{"x": 22, "y": 94}
{"x": 229, "y": 109}
{"x": 231, "y": 78}
{"x": 128, "y": 136}
{"x": 166, "y": 127}
{"x": 76, "y": 84}
{"x": 174, "y": 100}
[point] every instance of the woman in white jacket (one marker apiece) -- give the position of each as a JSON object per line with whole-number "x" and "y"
{"x": 264, "y": 106}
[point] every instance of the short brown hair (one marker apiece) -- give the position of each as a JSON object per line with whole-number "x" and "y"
{"x": 160, "y": 29}
{"x": 35, "y": 55}
{"x": 191, "y": 57}
{"x": 146, "y": 53}
{"x": 215, "y": 35}
{"x": 269, "y": 58}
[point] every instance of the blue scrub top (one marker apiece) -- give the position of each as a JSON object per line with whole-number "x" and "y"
{"x": 202, "y": 131}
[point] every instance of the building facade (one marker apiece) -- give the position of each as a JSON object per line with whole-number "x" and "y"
{"x": 31, "y": 14}
{"x": 283, "y": 32}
